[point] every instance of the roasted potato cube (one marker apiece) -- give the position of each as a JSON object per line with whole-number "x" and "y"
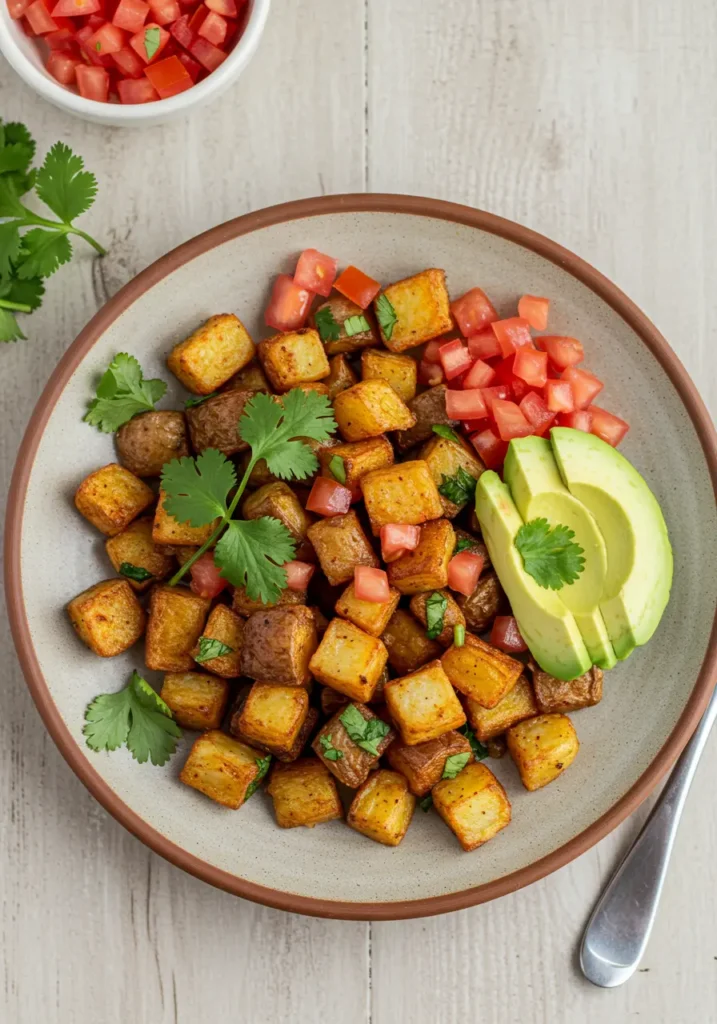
{"x": 318, "y": 386}
{"x": 245, "y": 606}
{"x": 285, "y": 755}
{"x": 553, "y": 694}
{"x": 221, "y": 767}
{"x": 407, "y": 644}
{"x": 272, "y": 717}
{"x": 423, "y": 704}
{"x": 481, "y": 671}
{"x": 176, "y": 621}
{"x": 349, "y": 660}
{"x": 542, "y": 748}
{"x": 453, "y": 615}
{"x": 367, "y": 615}
{"x": 346, "y": 760}
{"x": 429, "y": 408}
{"x": 251, "y": 376}
{"x": 496, "y": 747}
{"x": 370, "y": 408}
{"x": 341, "y": 309}
{"x": 167, "y": 530}
{"x": 444, "y": 458}
{"x": 294, "y": 358}
{"x": 404, "y": 493}
{"x": 196, "y": 699}
{"x": 134, "y": 546}
{"x": 304, "y": 793}
{"x": 399, "y": 371}
{"x": 210, "y": 356}
{"x": 278, "y": 501}
{"x": 383, "y": 807}
{"x": 341, "y": 545}
{"x": 474, "y": 805}
{"x": 426, "y": 567}
{"x": 340, "y": 377}
{"x": 481, "y": 608}
{"x": 215, "y": 422}
{"x": 182, "y": 553}
{"x": 226, "y": 626}
{"x": 332, "y": 701}
{"x": 423, "y": 764}
{"x": 149, "y": 440}
{"x": 422, "y": 307}
{"x": 358, "y": 458}
{"x": 518, "y": 704}
{"x": 108, "y": 617}
{"x": 278, "y": 645}
{"x": 111, "y": 497}
{"x": 322, "y": 623}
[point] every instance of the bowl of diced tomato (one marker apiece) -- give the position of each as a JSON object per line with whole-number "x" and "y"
{"x": 130, "y": 62}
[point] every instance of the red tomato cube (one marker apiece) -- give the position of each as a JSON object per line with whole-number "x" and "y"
{"x": 208, "y": 55}
{"x": 206, "y": 578}
{"x": 198, "y": 17}
{"x": 165, "y": 12}
{"x": 17, "y": 8}
{"x": 536, "y": 413}
{"x": 328, "y": 497}
{"x": 169, "y": 77}
{"x": 466, "y": 405}
{"x": 130, "y": 66}
{"x": 581, "y": 419}
{"x": 430, "y": 373}
{"x": 463, "y": 572}
{"x": 63, "y": 40}
{"x": 148, "y": 44}
{"x": 181, "y": 31}
{"x": 490, "y": 448}
{"x": 479, "y": 376}
{"x": 562, "y": 352}
{"x": 136, "y": 90}
{"x": 510, "y": 421}
{"x": 213, "y": 28}
{"x": 93, "y": 83}
{"x": 534, "y": 309}
{"x": 298, "y": 574}
{"x": 194, "y": 70}
{"x": 397, "y": 538}
{"x": 39, "y": 18}
{"x": 484, "y": 345}
{"x": 585, "y": 386}
{"x": 455, "y": 358}
{"x": 505, "y": 635}
{"x": 531, "y": 366}
{"x": 430, "y": 352}
{"x": 108, "y": 39}
{"x": 512, "y": 334}
{"x": 357, "y": 287}
{"x": 473, "y": 312}
{"x": 75, "y": 8}
{"x": 315, "y": 271}
{"x": 371, "y": 585}
{"x": 500, "y": 391}
{"x": 288, "y": 306}
{"x": 607, "y": 426}
{"x": 62, "y": 66}
{"x": 91, "y": 56}
{"x": 130, "y": 15}
{"x": 227, "y": 8}
{"x": 559, "y": 396}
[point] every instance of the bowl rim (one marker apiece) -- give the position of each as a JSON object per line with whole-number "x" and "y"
{"x": 70, "y": 749}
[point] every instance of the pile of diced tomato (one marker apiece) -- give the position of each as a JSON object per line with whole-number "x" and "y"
{"x": 134, "y": 51}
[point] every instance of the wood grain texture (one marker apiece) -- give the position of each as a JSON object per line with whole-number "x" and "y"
{"x": 591, "y": 122}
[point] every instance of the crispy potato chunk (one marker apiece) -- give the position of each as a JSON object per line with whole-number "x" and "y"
{"x": 426, "y": 567}
{"x": 209, "y": 357}
{"x": 294, "y": 358}
{"x": 302, "y": 737}
{"x": 149, "y": 440}
{"x": 134, "y": 546}
{"x": 481, "y": 671}
{"x": 196, "y": 699}
{"x": 215, "y": 423}
{"x": 367, "y": 615}
{"x": 423, "y": 764}
{"x": 517, "y": 705}
{"x": 341, "y": 545}
{"x": 176, "y": 621}
{"x": 481, "y": 608}
{"x": 407, "y": 644}
{"x": 542, "y": 748}
{"x": 304, "y": 793}
{"x": 554, "y": 695}
{"x": 353, "y": 763}
{"x": 349, "y": 660}
{"x": 383, "y": 807}
{"x": 111, "y": 497}
{"x": 423, "y": 309}
{"x": 221, "y": 767}
{"x": 272, "y": 717}
{"x": 278, "y": 501}
{"x": 359, "y": 458}
{"x": 251, "y": 376}
{"x": 226, "y": 626}
{"x": 331, "y": 701}
{"x": 404, "y": 493}
{"x": 444, "y": 458}
{"x": 341, "y": 309}
{"x": 108, "y": 617}
{"x": 245, "y": 606}
{"x": 182, "y": 553}
{"x": 278, "y": 645}
{"x": 453, "y": 616}
{"x": 474, "y": 805}
{"x": 429, "y": 408}
{"x": 370, "y": 408}
{"x": 167, "y": 530}
{"x": 423, "y": 704}
{"x": 340, "y": 377}
{"x": 399, "y": 371}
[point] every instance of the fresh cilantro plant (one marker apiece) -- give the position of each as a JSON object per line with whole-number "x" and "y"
{"x": 366, "y": 733}
{"x": 480, "y": 752}
{"x": 138, "y": 573}
{"x": 443, "y": 431}
{"x": 137, "y": 717}
{"x": 329, "y": 750}
{"x": 436, "y": 607}
{"x": 386, "y": 315}
{"x": 550, "y": 555}
{"x": 122, "y": 393}
{"x": 209, "y": 648}
{"x": 326, "y": 325}
{"x": 460, "y": 488}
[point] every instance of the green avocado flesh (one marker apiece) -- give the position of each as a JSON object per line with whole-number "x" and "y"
{"x": 538, "y": 491}
{"x": 548, "y": 628}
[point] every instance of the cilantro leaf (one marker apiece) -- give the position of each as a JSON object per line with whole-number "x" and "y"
{"x": 386, "y": 315}
{"x": 136, "y": 716}
{"x": 326, "y": 325}
{"x": 198, "y": 399}
{"x": 329, "y": 751}
{"x": 122, "y": 393}
{"x": 27, "y": 293}
{"x": 454, "y": 765}
{"x": 10, "y": 205}
{"x": 550, "y": 555}
{"x": 460, "y": 489}
{"x": 13, "y": 133}
{"x": 356, "y": 325}
{"x": 138, "y": 573}
{"x": 197, "y": 489}
{"x": 15, "y": 156}
{"x": 272, "y": 429}
{"x": 64, "y": 185}
{"x": 210, "y": 647}
{"x": 152, "y": 40}
{"x": 445, "y": 432}
{"x": 338, "y": 468}
{"x": 252, "y": 553}
{"x": 480, "y": 752}
{"x": 9, "y": 327}
{"x": 366, "y": 733}
{"x": 262, "y": 764}
{"x": 9, "y": 246}
{"x": 43, "y": 251}
{"x": 465, "y": 544}
{"x": 436, "y": 607}
{"x": 426, "y": 802}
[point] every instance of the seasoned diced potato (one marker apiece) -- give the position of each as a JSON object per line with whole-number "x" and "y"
{"x": 496, "y": 747}
{"x": 322, "y": 622}
{"x": 423, "y": 704}
{"x": 341, "y": 309}
{"x": 367, "y": 615}
{"x": 370, "y": 408}
{"x": 482, "y": 606}
{"x": 108, "y": 617}
{"x": 182, "y": 553}
{"x": 404, "y": 493}
{"x": 518, "y": 704}
{"x": 349, "y": 660}
{"x": 341, "y": 544}
{"x": 423, "y": 764}
{"x": 553, "y": 694}
{"x": 346, "y": 760}
{"x": 542, "y": 748}
{"x": 176, "y": 621}
{"x": 294, "y": 358}
{"x": 407, "y": 644}
{"x": 453, "y": 615}
{"x": 278, "y": 501}
{"x": 111, "y": 497}
{"x": 221, "y": 767}
{"x": 474, "y": 805}
{"x": 429, "y": 408}
{"x": 399, "y": 371}
{"x": 196, "y": 699}
{"x": 444, "y": 458}
{"x": 318, "y": 386}
{"x": 134, "y": 546}
{"x": 149, "y": 440}
{"x": 209, "y": 357}
{"x": 167, "y": 530}
{"x": 278, "y": 645}
{"x": 272, "y": 716}
{"x": 245, "y": 606}
{"x": 226, "y": 626}
{"x": 422, "y": 306}
{"x": 358, "y": 458}
{"x": 251, "y": 376}
{"x": 332, "y": 701}
{"x": 481, "y": 671}
{"x": 304, "y": 793}
{"x": 426, "y": 567}
{"x": 383, "y": 807}
{"x": 302, "y": 738}
{"x": 340, "y": 377}
{"x": 215, "y": 422}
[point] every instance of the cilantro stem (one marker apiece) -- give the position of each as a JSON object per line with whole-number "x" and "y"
{"x": 58, "y": 225}
{"x": 19, "y": 307}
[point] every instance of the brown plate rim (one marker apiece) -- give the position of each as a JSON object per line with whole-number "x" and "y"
{"x": 70, "y": 750}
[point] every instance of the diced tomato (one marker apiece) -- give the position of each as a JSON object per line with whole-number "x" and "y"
{"x": 206, "y": 580}
{"x": 430, "y": 373}
{"x": 466, "y": 405}
{"x": 93, "y": 83}
{"x": 131, "y": 15}
{"x": 512, "y": 334}
{"x": 328, "y": 497}
{"x": 228, "y": 9}
{"x": 91, "y": 56}
{"x": 95, "y": 21}
{"x": 289, "y": 305}
{"x": 136, "y": 90}
{"x": 165, "y": 12}
{"x": 559, "y": 396}
{"x": 169, "y": 77}
{"x": 17, "y": 8}
{"x": 27, "y": 28}
{"x": 534, "y": 309}
{"x": 214, "y": 28}
{"x": 505, "y": 635}
{"x": 430, "y": 352}
{"x": 144, "y": 41}
{"x": 198, "y": 17}
{"x": 463, "y": 572}
{"x": 39, "y": 18}
{"x": 473, "y": 312}
{"x": 397, "y": 538}
{"x": 357, "y": 287}
{"x": 484, "y": 345}
{"x": 490, "y": 448}
{"x": 581, "y": 419}
{"x": 314, "y": 271}
{"x": 108, "y": 39}
{"x": 531, "y": 366}
{"x": 479, "y": 376}
{"x": 131, "y": 67}
{"x": 181, "y": 31}
{"x": 298, "y": 574}
{"x": 62, "y": 66}
{"x": 455, "y": 358}
{"x": 500, "y": 391}
{"x": 194, "y": 70}
{"x": 504, "y": 375}
{"x": 471, "y": 426}
{"x": 62, "y": 40}
{"x": 586, "y": 386}
{"x": 371, "y": 585}
{"x": 208, "y": 55}
{"x": 75, "y": 8}
{"x": 536, "y": 413}
{"x": 607, "y": 426}
{"x": 510, "y": 421}
{"x": 562, "y": 352}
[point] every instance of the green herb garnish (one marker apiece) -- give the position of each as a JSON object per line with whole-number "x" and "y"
{"x": 460, "y": 488}
{"x": 198, "y": 400}
{"x": 356, "y": 325}
{"x": 152, "y": 39}
{"x": 136, "y": 716}
{"x": 550, "y": 555}
{"x": 326, "y": 325}
{"x": 443, "y": 431}
{"x": 480, "y": 752}
{"x": 122, "y": 393}
{"x": 455, "y": 764}
{"x": 386, "y": 315}
{"x": 436, "y": 607}
{"x": 262, "y": 764}
{"x": 138, "y": 573}
{"x": 338, "y": 468}
{"x": 465, "y": 544}
{"x": 329, "y": 751}
{"x": 210, "y": 647}
{"x": 459, "y": 635}
{"x": 366, "y": 733}
{"x": 426, "y": 802}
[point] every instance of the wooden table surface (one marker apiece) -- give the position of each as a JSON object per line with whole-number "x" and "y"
{"x": 592, "y": 122}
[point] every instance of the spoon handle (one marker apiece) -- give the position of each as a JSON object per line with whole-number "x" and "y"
{"x": 620, "y": 925}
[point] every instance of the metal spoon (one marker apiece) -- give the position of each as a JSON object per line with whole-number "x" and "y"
{"x": 619, "y": 928}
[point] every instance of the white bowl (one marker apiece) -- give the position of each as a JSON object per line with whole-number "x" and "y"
{"x": 25, "y": 58}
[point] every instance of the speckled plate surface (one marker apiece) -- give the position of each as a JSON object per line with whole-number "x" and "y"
{"x": 651, "y": 702}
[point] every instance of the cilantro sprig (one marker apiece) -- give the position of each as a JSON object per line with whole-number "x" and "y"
{"x": 465, "y": 544}
{"x": 366, "y": 733}
{"x": 137, "y": 717}
{"x": 550, "y": 555}
{"x": 436, "y": 608}
{"x": 122, "y": 393}
{"x": 459, "y": 488}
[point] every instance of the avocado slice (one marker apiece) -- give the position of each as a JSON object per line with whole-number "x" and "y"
{"x": 548, "y": 628}
{"x": 538, "y": 490}
{"x": 639, "y": 555}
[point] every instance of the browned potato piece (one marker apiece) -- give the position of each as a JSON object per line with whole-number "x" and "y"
{"x": 209, "y": 357}
{"x": 297, "y": 357}
{"x": 278, "y": 501}
{"x": 378, "y": 695}
{"x": 423, "y": 763}
{"x": 197, "y": 700}
{"x": 358, "y": 458}
{"x": 429, "y": 407}
{"x": 340, "y": 377}
{"x": 304, "y": 793}
{"x": 167, "y": 530}
{"x": 383, "y": 807}
{"x": 111, "y": 497}
{"x": 182, "y": 553}
{"x": 176, "y": 621}
{"x": 407, "y": 644}
{"x": 399, "y": 371}
{"x": 370, "y": 408}
{"x": 453, "y": 616}
{"x": 149, "y": 440}
{"x": 367, "y": 615}
{"x": 444, "y": 458}
{"x": 278, "y": 645}
{"x": 318, "y": 386}
{"x": 481, "y": 608}
{"x": 481, "y": 671}
{"x": 423, "y": 309}
{"x": 553, "y": 694}
{"x": 426, "y": 567}
{"x": 474, "y": 805}
{"x": 404, "y": 493}
{"x": 341, "y": 309}
{"x": 226, "y": 626}
{"x": 423, "y": 704}
{"x": 341, "y": 545}
{"x": 302, "y": 737}
{"x": 215, "y": 423}
{"x": 542, "y": 748}
{"x": 272, "y": 717}
{"x": 252, "y": 377}
{"x": 221, "y": 767}
{"x": 332, "y": 701}
{"x": 245, "y": 606}
{"x": 352, "y": 764}
{"x": 349, "y": 660}
{"x": 518, "y": 704}
{"x": 496, "y": 747}
{"x": 108, "y": 617}
{"x": 134, "y": 546}
{"x": 322, "y": 622}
